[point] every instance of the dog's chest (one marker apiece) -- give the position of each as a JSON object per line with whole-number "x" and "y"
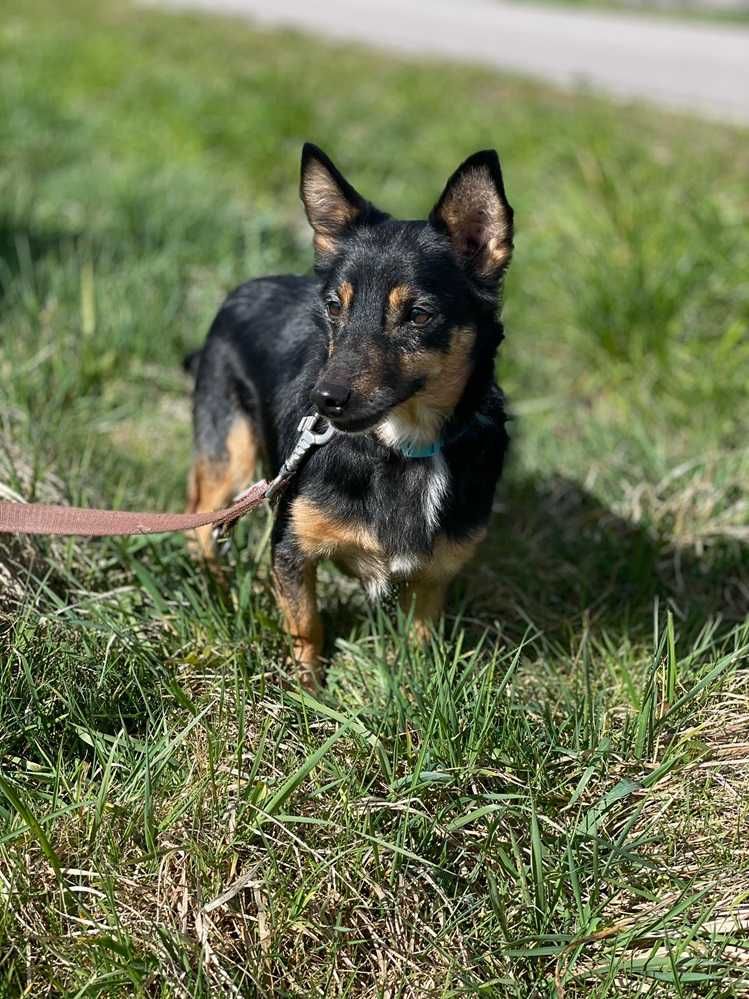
{"x": 383, "y": 531}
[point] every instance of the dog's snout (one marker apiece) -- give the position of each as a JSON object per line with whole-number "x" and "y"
{"x": 330, "y": 398}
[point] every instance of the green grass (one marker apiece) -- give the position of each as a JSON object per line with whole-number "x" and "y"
{"x": 549, "y": 800}
{"x": 674, "y": 10}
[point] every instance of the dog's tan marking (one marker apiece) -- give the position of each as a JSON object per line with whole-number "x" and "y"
{"x": 297, "y": 600}
{"x": 346, "y": 294}
{"x": 478, "y": 222}
{"x": 449, "y": 556}
{"x": 398, "y": 298}
{"x": 321, "y": 535}
{"x": 426, "y": 591}
{"x": 445, "y": 375}
{"x": 427, "y": 599}
{"x": 212, "y": 484}
{"x": 353, "y": 547}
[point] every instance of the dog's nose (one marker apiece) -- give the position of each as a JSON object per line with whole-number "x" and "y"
{"x": 330, "y": 399}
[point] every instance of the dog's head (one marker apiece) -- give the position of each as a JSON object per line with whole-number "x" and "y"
{"x": 409, "y": 307}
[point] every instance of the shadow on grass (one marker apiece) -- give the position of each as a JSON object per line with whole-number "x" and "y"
{"x": 558, "y": 564}
{"x": 560, "y": 560}
{"x": 557, "y": 561}
{"x": 22, "y": 248}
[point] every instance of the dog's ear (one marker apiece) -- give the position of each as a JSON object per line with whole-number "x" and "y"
{"x": 331, "y": 203}
{"x": 474, "y": 212}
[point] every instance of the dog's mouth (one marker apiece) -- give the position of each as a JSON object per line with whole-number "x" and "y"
{"x": 362, "y": 422}
{"x": 359, "y": 425}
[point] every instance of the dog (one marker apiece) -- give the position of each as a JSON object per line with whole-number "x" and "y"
{"x": 393, "y": 340}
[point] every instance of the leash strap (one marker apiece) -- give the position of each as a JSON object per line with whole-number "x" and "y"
{"x": 46, "y": 518}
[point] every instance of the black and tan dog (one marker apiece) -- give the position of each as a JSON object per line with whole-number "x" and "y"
{"x": 394, "y": 341}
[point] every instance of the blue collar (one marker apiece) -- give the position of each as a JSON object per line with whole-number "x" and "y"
{"x": 430, "y": 450}
{"x": 425, "y": 451}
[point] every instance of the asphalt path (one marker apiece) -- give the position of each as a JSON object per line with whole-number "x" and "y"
{"x": 686, "y": 66}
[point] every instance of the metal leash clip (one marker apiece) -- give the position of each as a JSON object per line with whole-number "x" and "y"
{"x": 308, "y": 438}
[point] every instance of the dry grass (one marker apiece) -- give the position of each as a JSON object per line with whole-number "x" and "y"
{"x": 548, "y": 801}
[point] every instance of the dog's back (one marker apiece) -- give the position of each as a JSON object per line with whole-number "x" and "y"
{"x": 261, "y": 359}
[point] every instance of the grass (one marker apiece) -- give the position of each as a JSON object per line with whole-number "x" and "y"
{"x": 549, "y": 800}
{"x": 681, "y": 10}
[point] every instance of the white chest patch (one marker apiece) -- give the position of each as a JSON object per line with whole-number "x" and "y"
{"x": 404, "y": 565}
{"x": 435, "y": 490}
{"x": 396, "y": 430}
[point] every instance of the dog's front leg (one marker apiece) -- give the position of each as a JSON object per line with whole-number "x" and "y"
{"x": 425, "y": 598}
{"x": 425, "y": 593}
{"x": 295, "y": 579}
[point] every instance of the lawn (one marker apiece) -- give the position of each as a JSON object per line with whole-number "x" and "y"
{"x": 681, "y": 10}
{"x": 552, "y": 798}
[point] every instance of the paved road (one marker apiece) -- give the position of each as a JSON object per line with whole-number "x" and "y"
{"x": 685, "y": 66}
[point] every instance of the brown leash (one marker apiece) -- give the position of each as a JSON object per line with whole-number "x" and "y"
{"x": 45, "y": 518}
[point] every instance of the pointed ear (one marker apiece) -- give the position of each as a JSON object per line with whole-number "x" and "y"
{"x": 331, "y": 203}
{"x": 474, "y": 212}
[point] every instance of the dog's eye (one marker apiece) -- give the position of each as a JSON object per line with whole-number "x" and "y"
{"x": 420, "y": 317}
{"x": 334, "y": 308}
